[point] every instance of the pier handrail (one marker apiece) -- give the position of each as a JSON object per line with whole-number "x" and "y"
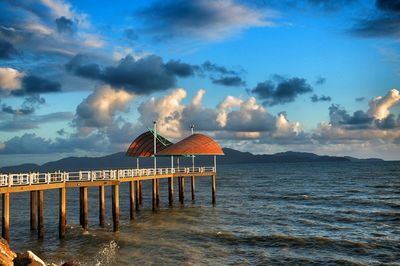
{"x": 35, "y": 178}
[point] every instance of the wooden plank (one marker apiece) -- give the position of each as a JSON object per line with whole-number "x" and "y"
{"x": 171, "y": 191}
{"x": 214, "y": 189}
{"x": 33, "y": 210}
{"x": 193, "y": 187}
{"x": 63, "y": 209}
{"x": 101, "y": 205}
{"x": 26, "y": 188}
{"x": 72, "y": 184}
{"x": 137, "y": 196}
{"x": 132, "y": 199}
{"x": 40, "y": 211}
{"x": 5, "y": 233}
{"x": 115, "y": 207}
{"x": 85, "y": 208}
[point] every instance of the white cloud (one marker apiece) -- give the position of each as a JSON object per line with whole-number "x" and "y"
{"x": 10, "y": 79}
{"x": 92, "y": 40}
{"x": 379, "y": 106}
{"x": 99, "y": 108}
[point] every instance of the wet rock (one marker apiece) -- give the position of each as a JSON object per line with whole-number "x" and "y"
{"x": 28, "y": 259}
{"x": 6, "y": 254}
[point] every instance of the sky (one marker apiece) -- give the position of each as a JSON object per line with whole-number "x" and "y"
{"x": 84, "y": 79}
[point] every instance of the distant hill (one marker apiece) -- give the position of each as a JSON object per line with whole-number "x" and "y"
{"x": 119, "y": 160}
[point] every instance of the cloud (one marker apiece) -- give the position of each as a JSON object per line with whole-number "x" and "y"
{"x": 281, "y": 90}
{"x": 390, "y": 122}
{"x": 229, "y": 81}
{"x": 320, "y": 81}
{"x": 202, "y": 19}
{"x": 24, "y": 110}
{"x": 100, "y": 107}
{"x": 20, "y": 123}
{"x": 340, "y": 117}
{"x": 10, "y": 79}
{"x": 180, "y": 69}
{"x": 360, "y": 99}
{"x": 385, "y": 21}
{"x": 142, "y": 76}
{"x": 7, "y": 50}
{"x": 379, "y": 106}
{"x": 65, "y": 25}
{"x": 131, "y": 34}
{"x": 315, "y": 98}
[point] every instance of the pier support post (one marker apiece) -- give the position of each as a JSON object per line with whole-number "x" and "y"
{"x": 101, "y": 206}
{"x": 171, "y": 191}
{"x": 132, "y": 199}
{"x": 158, "y": 192}
{"x": 154, "y": 192}
{"x": 85, "y": 208}
{"x": 63, "y": 210}
{"x": 193, "y": 187}
{"x": 40, "y": 206}
{"x": 137, "y": 195}
{"x": 5, "y": 233}
{"x": 33, "y": 210}
{"x": 115, "y": 207}
{"x": 182, "y": 189}
{"x": 81, "y": 206}
{"x": 213, "y": 185}
{"x": 140, "y": 193}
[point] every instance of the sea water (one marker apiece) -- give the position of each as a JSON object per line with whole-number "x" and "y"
{"x": 345, "y": 213}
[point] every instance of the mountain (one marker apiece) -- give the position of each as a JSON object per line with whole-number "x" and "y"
{"x": 119, "y": 160}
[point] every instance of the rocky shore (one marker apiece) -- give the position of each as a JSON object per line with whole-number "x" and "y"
{"x": 10, "y": 258}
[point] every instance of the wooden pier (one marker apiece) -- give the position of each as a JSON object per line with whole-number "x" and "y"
{"x": 37, "y": 183}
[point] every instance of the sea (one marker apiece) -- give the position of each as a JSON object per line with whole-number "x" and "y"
{"x": 334, "y": 213}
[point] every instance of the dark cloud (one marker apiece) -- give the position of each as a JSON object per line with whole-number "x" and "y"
{"x": 280, "y": 90}
{"x": 65, "y": 25}
{"x": 35, "y": 85}
{"x": 320, "y": 81}
{"x": 384, "y": 23}
{"x": 61, "y": 132}
{"x": 212, "y": 67}
{"x": 131, "y": 34}
{"x": 198, "y": 18}
{"x": 321, "y": 98}
{"x": 232, "y": 81}
{"x": 360, "y": 99}
{"x": 24, "y": 110}
{"x": 390, "y": 122}
{"x": 388, "y": 5}
{"x": 340, "y": 117}
{"x": 7, "y": 50}
{"x": 181, "y": 69}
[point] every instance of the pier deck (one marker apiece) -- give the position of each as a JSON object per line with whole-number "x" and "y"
{"x": 36, "y": 183}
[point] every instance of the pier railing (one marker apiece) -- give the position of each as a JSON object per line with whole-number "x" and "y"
{"x": 36, "y": 178}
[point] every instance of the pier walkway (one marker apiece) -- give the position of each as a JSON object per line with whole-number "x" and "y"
{"x": 36, "y": 183}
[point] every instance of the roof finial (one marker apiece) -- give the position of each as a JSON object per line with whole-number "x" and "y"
{"x": 192, "y": 128}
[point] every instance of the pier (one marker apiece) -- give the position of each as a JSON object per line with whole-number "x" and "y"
{"x": 37, "y": 183}
{"x": 148, "y": 144}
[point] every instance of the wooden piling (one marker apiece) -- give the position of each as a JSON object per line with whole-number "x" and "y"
{"x": 33, "y": 210}
{"x": 101, "y": 205}
{"x": 171, "y": 191}
{"x": 154, "y": 192}
{"x": 140, "y": 193}
{"x": 132, "y": 199}
{"x": 182, "y": 189}
{"x": 158, "y": 193}
{"x": 5, "y": 233}
{"x": 81, "y": 206}
{"x": 137, "y": 195}
{"x": 213, "y": 186}
{"x": 85, "y": 207}
{"x": 63, "y": 209}
{"x": 115, "y": 207}
{"x": 193, "y": 187}
{"x": 40, "y": 211}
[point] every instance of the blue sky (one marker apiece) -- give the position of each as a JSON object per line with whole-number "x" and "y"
{"x": 260, "y": 76}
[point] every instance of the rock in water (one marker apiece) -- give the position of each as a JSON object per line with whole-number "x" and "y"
{"x": 6, "y": 254}
{"x": 28, "y": 258}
